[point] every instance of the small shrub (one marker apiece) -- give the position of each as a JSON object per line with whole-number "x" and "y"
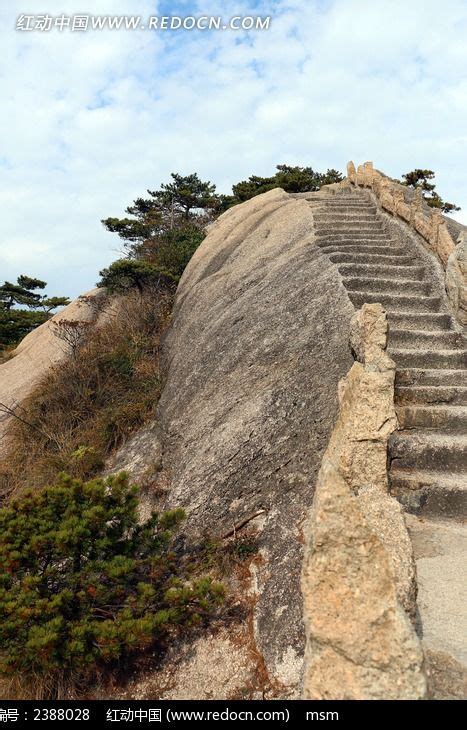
{"x": 83, "y": 584}
{"x": 87, "y": 460}
{"x": 244, "y": 549}
{"x": 173, "y": 250}
{"x": 71, "y": 332}
{"x": 221, "y": 558}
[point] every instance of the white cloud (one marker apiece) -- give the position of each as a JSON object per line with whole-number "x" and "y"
{"x": 90, "y": 120}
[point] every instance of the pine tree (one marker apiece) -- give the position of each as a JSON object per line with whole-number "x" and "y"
{"x": 83, "y": 582}
{"x": 186, "y": 199}
{"x": 23, "y": 308}
{"x": 126, "y": 274}
{"x": 292, "y": 179}
{"x": 419, "y": 178}
{"x": 186, "y": 195}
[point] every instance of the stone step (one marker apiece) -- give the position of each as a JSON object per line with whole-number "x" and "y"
{"x": 347, "y": 234}
{"x": 369, "y": 248}
{"x": 373, "y": 239}
{"x": 384, "y": 271}
{"x": 339, "y": 220}
{"x": 395, "y": 302}
{"x": 344, "y": 210}
{"x": 344, "y": 215}
{"x": 353, "y": 207}
{"x": 318, "y": 194}
{"x": 446, "y": 359}
{"x": 440, "y": 547}
{"x": 430, "y": 493}
{"x": 387, "y": 286}
{"x": 431, "y": 377}
{"x": 426, "y": 339}
{"x": 338, "y": 207}
{"x": 348, "y": 205}
{"x": 336, "y": 199}
{"x": 352, "y": 194}
{"x": 350, "y": 225}
{"x": 433, "y": 416}
{"x": 371, "y": 258}
{"x": 419, "y": 320}
{"x": 346, "y": 222}
{"x": 427, "y": 449}
{"x": 455, "y": 394}
{"x": 349, "y": 196}
{"x": 354, "y": 234}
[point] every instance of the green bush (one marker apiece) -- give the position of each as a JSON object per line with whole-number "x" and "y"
{"x": 84, "y": 583}
{"x": 174, "y": 249}
{"x": 126, "y": 274}
{"x": 86, "y": 460}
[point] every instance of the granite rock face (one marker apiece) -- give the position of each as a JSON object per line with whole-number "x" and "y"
{"x": 38, "y": 352}
{"x": 258, "y": 344}
{"x": 456, "y": 279}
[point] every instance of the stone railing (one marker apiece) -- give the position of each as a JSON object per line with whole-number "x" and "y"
{"x": 358, "y": 579}
{"x": 407, "y": 204}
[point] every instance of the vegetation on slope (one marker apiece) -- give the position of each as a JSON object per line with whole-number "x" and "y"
{"x": 420, "y": 179}
{"x": 289, "y": 178}
{"x": 84, "y": 584}
{"x": 87, "y": 406}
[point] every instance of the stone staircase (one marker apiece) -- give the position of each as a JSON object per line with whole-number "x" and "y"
{"x": 428, "y": 454}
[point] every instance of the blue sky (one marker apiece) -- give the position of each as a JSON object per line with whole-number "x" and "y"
{"x": 91, "y": 120}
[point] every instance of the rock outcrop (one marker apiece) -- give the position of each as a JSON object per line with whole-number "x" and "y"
{"x": 258, "y": 343}
{"x": 456, "y": 278}
{"x": 37, "y": 352}
{"x": 359, "y": 573}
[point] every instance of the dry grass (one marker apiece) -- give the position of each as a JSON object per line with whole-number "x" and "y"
{"x": 88, "y": 405}
{"x": 6, "y": 353}
{"x": 54, "y": 686}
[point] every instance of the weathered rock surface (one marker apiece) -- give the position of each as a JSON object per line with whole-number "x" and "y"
{"x": 362, "y": 645}
{"x": 213, "y": 667}
{"x": 37, "y": 352}
{"x": 440, "y": 548}
{"x": 258, "y": 344}
{"x": 140, "y": 456}
{"x": 456, "y": 279}
{"x": 359, "y": 572}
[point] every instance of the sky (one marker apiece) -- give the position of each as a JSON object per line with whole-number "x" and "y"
{"x": 91, "y": 120}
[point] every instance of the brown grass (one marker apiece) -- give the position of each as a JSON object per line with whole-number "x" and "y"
{"x": 6, "y": 353}
{"x": 87, "y": 406}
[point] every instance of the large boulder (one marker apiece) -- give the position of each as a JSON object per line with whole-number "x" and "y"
{"x": 37, "y": 353}
{"x": 258, "y": 343}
